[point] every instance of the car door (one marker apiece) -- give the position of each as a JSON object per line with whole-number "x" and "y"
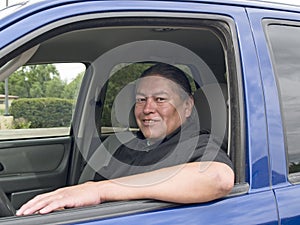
{"x": 36, "y": 139}
{"x": 65, "y": 31}
{"x": 279, "y": 66}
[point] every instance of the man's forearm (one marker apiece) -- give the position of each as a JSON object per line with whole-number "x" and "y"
{"x": 188, "y": 183}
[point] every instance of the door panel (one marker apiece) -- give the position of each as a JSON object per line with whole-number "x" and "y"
{"x": 258, "y": 206}
{"x": 288, "y": 200}
{"x": 236, "y": 210}
{"x": 30, "y": 167}
{"x": 276, "y": 57}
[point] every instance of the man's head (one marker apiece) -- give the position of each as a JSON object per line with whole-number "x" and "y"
{"x": 163, "y": 100}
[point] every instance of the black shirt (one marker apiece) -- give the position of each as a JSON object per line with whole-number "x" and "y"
{"x": 186, "y": 144}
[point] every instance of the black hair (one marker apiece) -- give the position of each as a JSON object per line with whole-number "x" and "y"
{"x": 169, "y": 72}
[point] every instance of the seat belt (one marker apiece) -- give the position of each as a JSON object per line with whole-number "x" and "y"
{"x": 103, "y": 154}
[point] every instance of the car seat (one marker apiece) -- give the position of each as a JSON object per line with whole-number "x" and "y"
{"x": 210, "y": 104}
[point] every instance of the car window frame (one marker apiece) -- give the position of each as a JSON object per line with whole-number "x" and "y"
{"x": 293, "y": 178}
{"x": 22, "y": 45}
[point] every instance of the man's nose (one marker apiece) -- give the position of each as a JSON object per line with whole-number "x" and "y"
{"x": 149, "y": 106}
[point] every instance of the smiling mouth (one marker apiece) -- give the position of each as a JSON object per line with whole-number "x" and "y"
{"x": 149, "y": 122}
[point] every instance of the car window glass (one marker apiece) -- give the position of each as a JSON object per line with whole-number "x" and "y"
{"x": 38, "y": 100}
{"x": 286, "y": 56}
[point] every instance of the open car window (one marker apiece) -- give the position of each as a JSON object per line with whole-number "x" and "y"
{"x": 112, "y": 54}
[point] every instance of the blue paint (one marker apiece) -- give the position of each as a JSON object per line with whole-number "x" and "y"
{"x": 270, "y": 195}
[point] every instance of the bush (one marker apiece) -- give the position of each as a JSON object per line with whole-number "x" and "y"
{"x": 43, "y": 112}
{"x": 20, "y": 123}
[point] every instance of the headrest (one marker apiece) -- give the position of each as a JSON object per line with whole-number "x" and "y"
{"x": 211, "y": 105}
{"x": 122, "y": 114}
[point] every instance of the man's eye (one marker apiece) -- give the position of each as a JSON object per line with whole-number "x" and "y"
{"x": 140, "y": 100}
{"x": 160, "y": 99}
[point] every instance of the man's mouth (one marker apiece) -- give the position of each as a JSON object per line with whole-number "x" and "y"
{"x": 149, "y": 122}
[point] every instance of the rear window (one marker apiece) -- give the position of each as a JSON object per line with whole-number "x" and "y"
{"x": 286, "y": 57}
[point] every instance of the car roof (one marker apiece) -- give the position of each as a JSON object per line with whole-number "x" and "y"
{"x": 22, "y": 10}
{"x": 31, "y": 6}
{"x": 258, "y": 3}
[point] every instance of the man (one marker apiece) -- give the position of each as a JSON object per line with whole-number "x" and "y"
{"x": 170, "y": 160}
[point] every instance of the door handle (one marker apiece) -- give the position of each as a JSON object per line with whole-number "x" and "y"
{"x": 1, "y": 167}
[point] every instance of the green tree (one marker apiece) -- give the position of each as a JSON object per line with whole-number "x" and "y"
{"x": 36, "y": 90}
{"x": 55, "y": 88}
{"x": 30, "y": 81}
{"x": 71, "y": 89}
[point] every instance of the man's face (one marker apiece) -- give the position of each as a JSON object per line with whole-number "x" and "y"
{"x": 159, "y": 109}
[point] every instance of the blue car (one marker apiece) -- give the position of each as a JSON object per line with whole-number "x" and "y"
{"x": 65, "y": 66}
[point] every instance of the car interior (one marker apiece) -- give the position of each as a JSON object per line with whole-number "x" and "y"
{"x": 203, "y": 47}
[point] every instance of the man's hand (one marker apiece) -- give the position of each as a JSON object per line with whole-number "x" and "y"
{"x": 75, "y": 196}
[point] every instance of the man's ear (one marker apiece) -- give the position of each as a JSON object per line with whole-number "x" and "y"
{"x": 189, "y": 104}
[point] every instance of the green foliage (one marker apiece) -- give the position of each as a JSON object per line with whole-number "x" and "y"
{"x": 21, "y": 123}
{"x": 70, "y": 90}
{"x": 30, "y": 81}
{"x": 45, "y": 100}
{"x": 41, "y": 81}
{"x": 43, "y": 112}
{"x": 55, "y": 88}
